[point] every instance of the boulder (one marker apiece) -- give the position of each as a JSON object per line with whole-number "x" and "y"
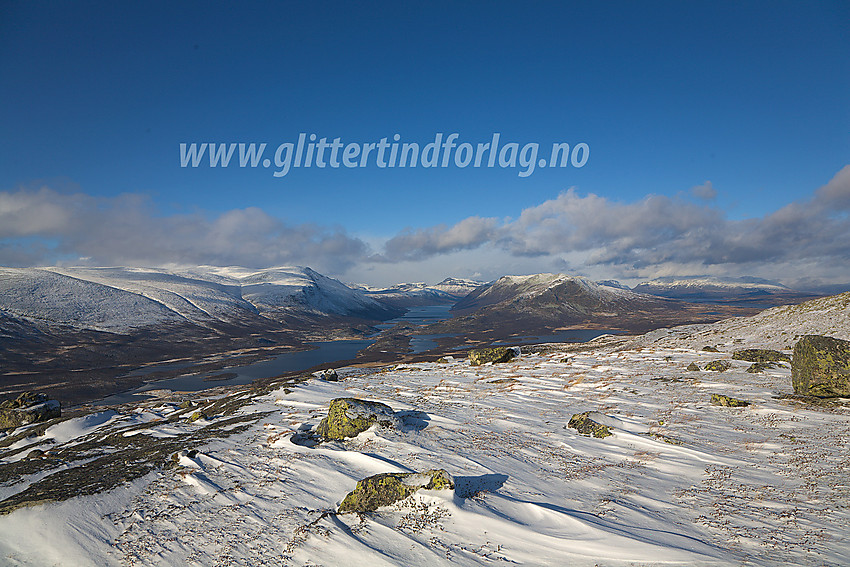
{"x": 582, "y": 423}
{"x": 718, "y": 366}
{"x": 726, "y": 401}
{"x": 820, "y": 366}
{"x": 693, "y": 367}
{"x": 709, "y": 348}
{"x": 480, "y": 356}
{"x": 329, "y": 375}
{"x": 348, "y": 417}
{"x": 387, "y": 488}
{"x": 760, "y": 355}
{"x": 29, "y": 407}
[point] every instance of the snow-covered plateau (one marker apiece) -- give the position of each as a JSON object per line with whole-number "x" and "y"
{"x": 224, "y": 480}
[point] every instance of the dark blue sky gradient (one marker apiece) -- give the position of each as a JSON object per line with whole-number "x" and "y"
{"x": 753, "y": 96}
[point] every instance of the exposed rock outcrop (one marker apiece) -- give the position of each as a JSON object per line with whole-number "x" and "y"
{"x": 348, "y": 417}
{"x": 481, "y": 356}
{"x": 387, "y": 488}
{"x": 29, "y": 407}
{"x": 820, "y": 367}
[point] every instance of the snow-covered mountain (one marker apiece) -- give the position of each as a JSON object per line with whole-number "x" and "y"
{"x": 410, "y": 294}
{"x": 711, "y": 289}
{"x": 559, "y": 292}
{"x": 541, "y": 302}
{"x": 123, "y": 299}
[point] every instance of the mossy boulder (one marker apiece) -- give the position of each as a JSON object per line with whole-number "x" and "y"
{"x": 820, "y": 366}
{"x": 348, "y": 417}
{"x": 693, "y": 367}
{"x": 728, "y": 402}
{"x": 760, "y": 355}
{"x": 387, "y": 488}
{"x": 196, "y": 416}
{"x": 718, "y": 366}
{"x": 29, "y": 407}
{"x": 480, "y": 356}
{"x": 582, "y": 423}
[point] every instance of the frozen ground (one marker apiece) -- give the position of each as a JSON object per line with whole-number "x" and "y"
{"x": 680, "y": 482}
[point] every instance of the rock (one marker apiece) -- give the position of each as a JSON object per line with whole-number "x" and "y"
{"x": 760, "y": 355}
{"x": 718, "y": 366}
{"x": 442, "y": 360}
{"x": 726, "y": 401}
{"x": 36, "y": 454}
{"x": 348, "y": 417}
{"x": 196, "y": 416}
{"x": 186, "y": 404}
{"x": 480, "y": 356}
{"x": 386, "y": 488}
{"x": 692, "y": 367}
{"x": 820, "y": 367}
{"x": 757, "y": 367}
{"x": 29, "y": 407}
{"x": 586, "y": 426}
{"x": 709, "y": 349}
{"x": 330, "y": 375}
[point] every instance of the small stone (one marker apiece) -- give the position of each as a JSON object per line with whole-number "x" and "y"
{"x": 726, "y": 401}
{"x": 708, "y": 348}
{"x": 693, "y": 367}
{"x": 718, "y": 365}
{"x": 586, "y": 426}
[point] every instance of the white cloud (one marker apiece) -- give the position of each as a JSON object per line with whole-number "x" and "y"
{"x": 804, "y": 241}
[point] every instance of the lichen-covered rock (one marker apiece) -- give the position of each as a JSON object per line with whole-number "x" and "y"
{"x": 709, "y": 348}
{"x": 582, "y": 423}
{"x": 726, "y": 401}
{"x": 480, "y": 356}
{"x": 760, "y": 355}
{"x": 387, "y": 488}
{"x": 757, "y": 367}
{"x": 820, "y": 367}
{"x": 693, "y": 367}
{"x": 29, "y": 407}
{"x": 718, "y": 366}
{"x": 348, "y": 417}
{"x": 196, "y": 416}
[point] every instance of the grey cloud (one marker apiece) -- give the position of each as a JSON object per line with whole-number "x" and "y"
{"x": 128, "y": 230}
{"x": 706, "y": 191}
{"x": 467, "y": 234}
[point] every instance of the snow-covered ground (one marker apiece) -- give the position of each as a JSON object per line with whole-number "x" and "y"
{"x": 680, "y": 482}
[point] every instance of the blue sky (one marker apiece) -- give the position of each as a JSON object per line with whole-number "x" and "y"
{"x": 750, "y": 97}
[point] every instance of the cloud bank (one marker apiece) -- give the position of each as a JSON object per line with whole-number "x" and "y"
{"x": 804, "y": 241}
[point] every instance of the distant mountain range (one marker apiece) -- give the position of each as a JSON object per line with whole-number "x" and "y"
{"x": 710, "y": 289}
{"x": 406, "y": 295}
{"x": 544, "y": 303}
{"x": 82, "y": 327}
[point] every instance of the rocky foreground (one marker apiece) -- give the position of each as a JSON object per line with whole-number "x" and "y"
{"x": 614, "y": 452}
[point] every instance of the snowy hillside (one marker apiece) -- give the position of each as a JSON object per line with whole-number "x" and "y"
{"x": 776, "y": 328}
{"x": 121, "y": 299}
{"x": 710, "y": 282}
{"x": 679, "y": 481}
